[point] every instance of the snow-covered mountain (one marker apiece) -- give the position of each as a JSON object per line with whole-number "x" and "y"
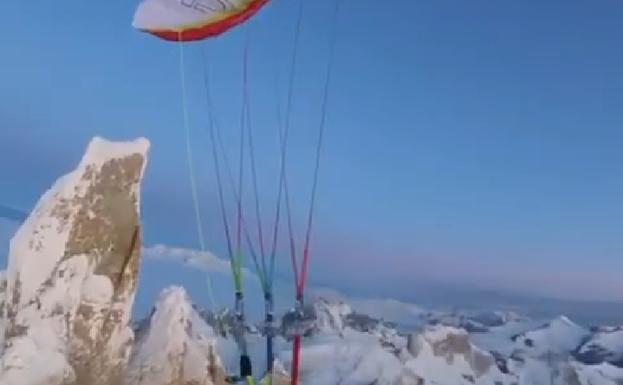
{"x": 445, "y": 355}
{"x": 605, "y": 345}
{"x": 66, "y": 302}
{"x": 175, "y": 345}
{"x": 561, "y": 336}
{"x": 72, "y": 273}
{"x": 350, "y": 348}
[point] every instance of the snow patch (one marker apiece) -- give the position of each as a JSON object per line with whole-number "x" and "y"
{"x": 560, "y": 336}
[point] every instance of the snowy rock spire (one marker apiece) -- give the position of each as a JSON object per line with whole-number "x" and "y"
{"x": 72, "y": 274}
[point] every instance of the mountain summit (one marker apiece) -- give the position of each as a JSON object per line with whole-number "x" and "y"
{"x": 72, "y": 274}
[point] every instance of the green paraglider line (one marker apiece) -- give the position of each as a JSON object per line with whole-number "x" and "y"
{"x": 229, "y": 174}
{"x": 258, "y": 213}
{"x": 265, "y": 269}
{"x": 236, "y": 257}
{"x": 193, "y": 184}
{"x": 217, "y": 170}
{"x": 234, "y": 246}
{"x": 238, "y": 264}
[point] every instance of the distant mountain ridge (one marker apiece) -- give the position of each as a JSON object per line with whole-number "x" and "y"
{"x": 504, "y": 348}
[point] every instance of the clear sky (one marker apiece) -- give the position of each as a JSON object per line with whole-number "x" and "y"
{"x": 469, "y": 143}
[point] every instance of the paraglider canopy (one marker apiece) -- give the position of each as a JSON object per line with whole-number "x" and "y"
{"x": 191, "y": 20}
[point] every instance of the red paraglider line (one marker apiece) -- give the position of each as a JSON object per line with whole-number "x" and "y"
{"x": 212, "y": 29}
{"x": 283, "y": 140}
{"x": 296, "y": 359}
{"x": 301, "y": 280}
{"x": 296, "y": 347}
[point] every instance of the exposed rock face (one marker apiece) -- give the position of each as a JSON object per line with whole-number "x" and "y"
{"x": 72, "y": 274}
{"x": 445, "y": 354}
{"x": 331, "y": 315}
{"x": 176, "y": 346}
{"x": 457, "y": 343}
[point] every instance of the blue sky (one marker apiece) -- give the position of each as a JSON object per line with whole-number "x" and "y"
{"x": 469, "y": 143}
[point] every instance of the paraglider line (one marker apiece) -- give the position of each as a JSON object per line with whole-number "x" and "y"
{"x": 241, "y": 154}
{"x": 321, "y": 133}
{"x": 300, "y": 281}
{"x": 191, "y": 169}
{"x": 217, "y": 168}
{"x": 258, "y": 213}
{"x": 283, "y": 138}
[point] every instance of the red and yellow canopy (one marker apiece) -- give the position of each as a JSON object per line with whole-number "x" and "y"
{"x": 190, "y": 20}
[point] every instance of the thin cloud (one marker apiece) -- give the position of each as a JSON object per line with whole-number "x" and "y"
{"x": 200, "y": 260}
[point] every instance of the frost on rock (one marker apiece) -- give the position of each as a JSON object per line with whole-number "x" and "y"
{"x": 176, "y": 346}
{"x": 72, "y": 274}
